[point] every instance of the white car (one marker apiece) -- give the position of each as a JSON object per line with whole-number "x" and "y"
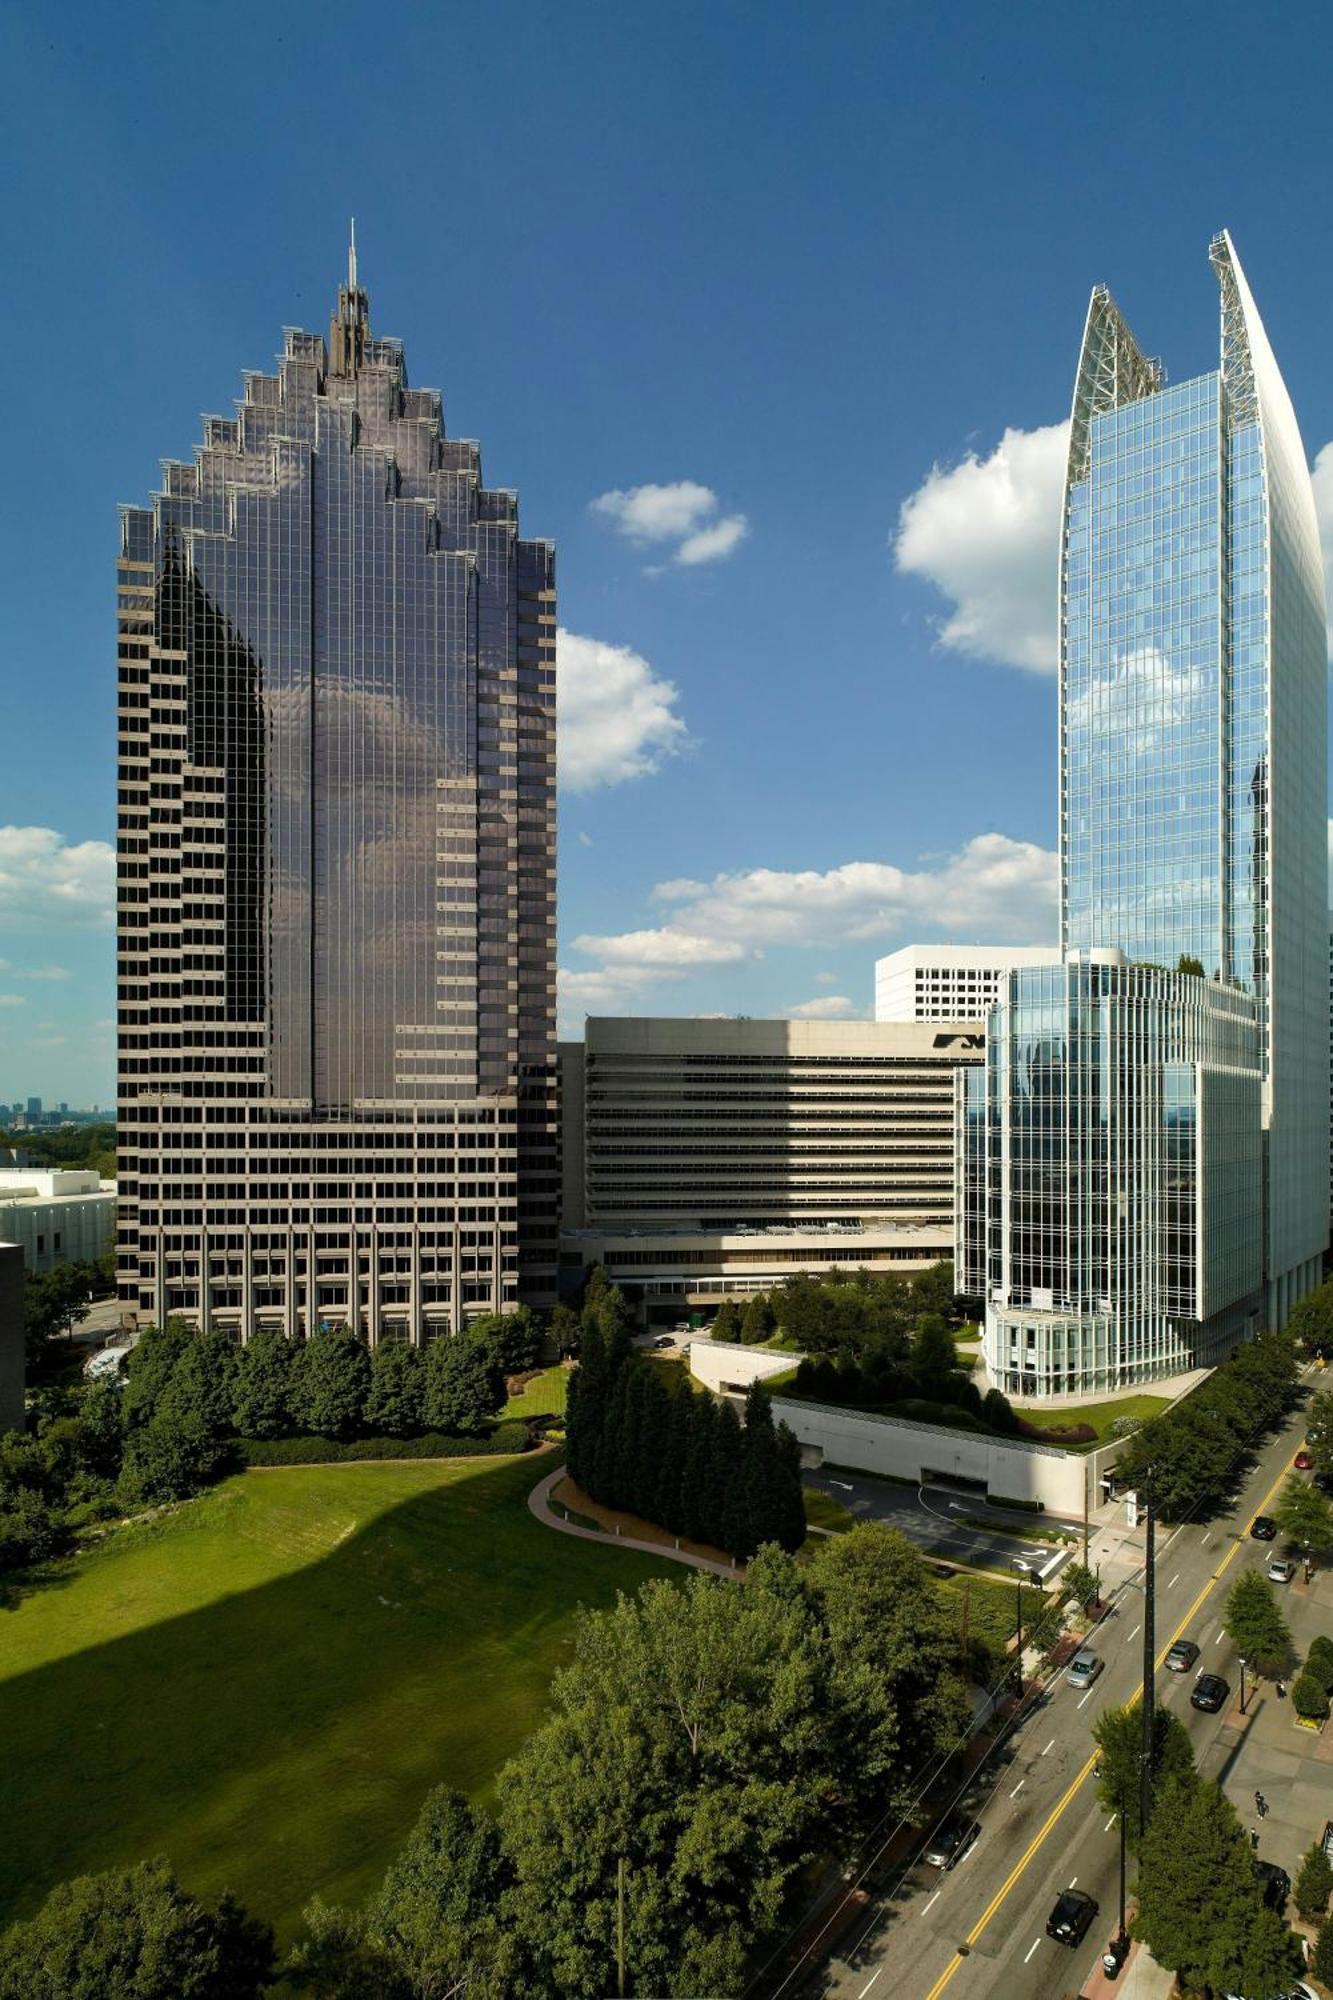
{"x": 1083, "y": 1669}
{"x": 1280, "y": 1570}
{"x": 105, "y": 1362}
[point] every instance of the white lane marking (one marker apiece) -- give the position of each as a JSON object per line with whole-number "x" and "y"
{"x": 1018, "y": 1788}
{"x": 1174, "y": 1581}
{"x": 869, "y": 1983}
{"x": 1087, "y": 1697}
{"x": 1031, "y": 1948}
{"x": 1049, "y": 1746}
{"x": 1135, "y": 1633}
{"x": 934, "y": 1899}
{"x": 1109, "y": 1824}
{"x": 1073, "y": 1881}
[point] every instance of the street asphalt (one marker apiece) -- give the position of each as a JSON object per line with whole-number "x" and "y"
{"x": 979, "y": 1930}
{"x": 935, "y": 1519}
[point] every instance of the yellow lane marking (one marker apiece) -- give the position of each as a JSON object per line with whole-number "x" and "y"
{"x": 1061, "y": 1805}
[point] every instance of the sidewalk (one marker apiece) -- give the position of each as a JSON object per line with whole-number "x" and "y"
{"x": 539, "y": 1506}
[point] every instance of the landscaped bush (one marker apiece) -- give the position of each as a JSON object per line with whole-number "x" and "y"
{"x": 1308, "y": 1698}
{"x": 1319, "y": 1663}
{"x": 512, "y": 1435}
{"x": 1314, "y": 1882}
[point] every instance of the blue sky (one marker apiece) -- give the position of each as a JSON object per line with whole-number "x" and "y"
{"x": 797, "y": 267}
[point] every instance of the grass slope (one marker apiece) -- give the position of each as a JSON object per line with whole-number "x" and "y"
{"x": 1100, "y": 1416}
{"x": 544, "y": 1396}
{"x": 264, "y": 1684}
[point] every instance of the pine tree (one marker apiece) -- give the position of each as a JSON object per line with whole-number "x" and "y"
{"x": 757, "y": 1321}
{"x": 759, "y": 1473}
{"x": 654, "y": 1431}
{"x": 586, "y": 1402}
{"x": 789, "y": 1529}
{"x": 730, "y": 1517}
{"x": 696, "y": 1483}
{"x": 625, "y": 1440}
{"x": 727, "y": 1321}
{"x": 1322, "y": 1963}
{"x": 603, "y": 1461}
{"x": 669, "y": 1509}
{"x": 1314, "y": 1883}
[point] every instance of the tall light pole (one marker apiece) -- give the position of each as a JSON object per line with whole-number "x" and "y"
{"x": 1242, "y": 1684}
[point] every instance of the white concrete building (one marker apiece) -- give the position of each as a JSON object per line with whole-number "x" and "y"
{"x": 58, "y": 1216}
{"x": 948, "y": 982}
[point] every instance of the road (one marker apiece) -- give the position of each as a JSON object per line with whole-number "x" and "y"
{"x": 933, "y": 1516}
{"x": 980, "y": 1930}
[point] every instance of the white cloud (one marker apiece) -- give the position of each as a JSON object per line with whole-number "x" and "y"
{"x": 586, "y": 840}
{"x": 828, "y": 1007}
{"x": 826, "y": 979}
{"x": 13, "y": 1000}
{"x": 986, "y": 533}
{"x": 44, "y": 972}
{"x": 47, "y": 883}
{"x": 683, "y": 512}
{"x": 666, "y": 947}
{"x": 617, "y": 720}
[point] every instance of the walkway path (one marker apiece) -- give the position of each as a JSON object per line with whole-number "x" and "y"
{"x": 539, "y": 1505}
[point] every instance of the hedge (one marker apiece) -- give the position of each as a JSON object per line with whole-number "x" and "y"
{"x": 509, "y": 1436}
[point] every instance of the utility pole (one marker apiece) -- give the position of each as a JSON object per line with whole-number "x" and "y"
{"x": 1020, "y": 1638}
{"x": 1149, "y": 1651}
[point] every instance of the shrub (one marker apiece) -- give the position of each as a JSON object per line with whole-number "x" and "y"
{"x": 30, "y": 1531}
{"x": 1319, "y": 1663}
{"x": 1309, "y": 1699}
{"x": 1322, "y": 1963}
{"x": 169, "y": 1459}
{"x": 512, "y": 1435}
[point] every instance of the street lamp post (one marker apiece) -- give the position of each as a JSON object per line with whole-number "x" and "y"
{"x": 1149, "y": 1649}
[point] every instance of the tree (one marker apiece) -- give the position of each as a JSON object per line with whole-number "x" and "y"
{"x": 1118, "y": 1733}
{"x": 261, "y": 1390}
{"x": 31, "y": 1530}
{"x": 1200, "y": 1902}
{"x": 934, "y": 1356}
{"x": 1081, "y": 1585}
{"x": 339, "y": 1959}
{"x": 203, "y": 1382}
{"x": 1255, "y": 1625}
{"x": 932, "y": 1289}
{"x": 894, "y": 1693}
{"x": 149, "y": 1368}
{"x": 1311, "y": 1322}
{"x": 1314, "y": 1882}
{"x": 396, "y": 1399}
{"x": 727, "y": 1511}
{"x": 757, "y": 1321}
{"x": 998, "y": 1413}
{"x": 1319, "y": 1432}
{"x": 135, "y": 1934}
{"x": 1322, "y": 1963}
{"x": 1190, "y": 1457}
{"x": 1189, "y": 964}
{"x": 1309, "y": 1698}
{"x": 696, "y": 1479}
{"x": 770, "y": 1479}
{"x": 686, "y": 1747}
{"x": 329, "y": 1383}
{"x": 437, "y": 1915}
{"x": 727, "y": 1321}
{"x": 53, "y": 1301}
{"x": 1319, "y": 1662}
{"x": 170, "y": 1458}
{"x": 565, "y": 1330}
{"x": 515, "y": 1338}
{"x": 1305, "y": 1515}
{"x": 465, "y": 1387}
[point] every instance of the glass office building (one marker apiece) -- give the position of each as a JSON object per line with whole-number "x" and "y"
{"x": 336, "y": 866}
{"x": 1193, "y": 717}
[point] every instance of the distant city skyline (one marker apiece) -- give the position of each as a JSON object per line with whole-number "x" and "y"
{"x": 808, "y": 718}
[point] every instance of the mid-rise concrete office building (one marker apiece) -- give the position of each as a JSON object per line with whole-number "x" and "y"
{"x": 1193, "y": 787}
{"x": 949, "y": 982}
{"x": 709, "y": 1156}
{"x": 336, "y": 866}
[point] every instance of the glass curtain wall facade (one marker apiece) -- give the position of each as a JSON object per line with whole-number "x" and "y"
{"x": 336, "y": 861}
{"x": 1193, "y": 718}
{"x": 1109, "y": 1174}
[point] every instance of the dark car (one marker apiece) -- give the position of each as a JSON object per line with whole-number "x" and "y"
{"x": 1275, "y": 1883}
{"x": 1263, "y": 1528}
{"x": 1208, "y": 1693}
{"x": 1069, "y": 1920}
{"x": 951, "y": 1840}
{"x": 1303, "y": 1461}
{"x": 1182, "y": 1656}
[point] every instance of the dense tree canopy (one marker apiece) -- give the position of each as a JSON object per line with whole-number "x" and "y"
{"x": 1193, "y": 1453}
{"x": 1118, "y": 1733}
{"x": 1255, "y": 1625}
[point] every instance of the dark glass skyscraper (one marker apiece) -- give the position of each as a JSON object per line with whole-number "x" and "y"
{"x": 336, "y": 866}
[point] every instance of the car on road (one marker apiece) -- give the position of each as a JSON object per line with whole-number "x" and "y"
{"x": 1083, "y": 1669}
{"x": 1275, "y": 1883}
{"x": 1303, "y": 1461}
{"x": 1208, "y": 1693}
{"x": 1300, "y": 1991}
{"x": 1280, "y": 1570}
{"x": 951, "y": 1840}
{"x": 1068, "y": 1922}
{"x": 1263, "y": 1528}
{"x": 1182, "y": 1656}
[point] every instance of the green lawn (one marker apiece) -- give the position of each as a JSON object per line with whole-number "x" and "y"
{"x": 264, "y": 1684}
{"x": 544, "y": 1396}
{"x": 1100, "y": 1415}
{"x": 823, "y": 1511}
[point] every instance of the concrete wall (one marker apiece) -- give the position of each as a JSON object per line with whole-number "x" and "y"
{"x": 722, "y": 1365}
{"x": 11, "y": 1337}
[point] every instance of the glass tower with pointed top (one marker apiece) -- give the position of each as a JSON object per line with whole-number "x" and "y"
{"x": 336, "y": 813}
{"x": 1125, "y": 1220}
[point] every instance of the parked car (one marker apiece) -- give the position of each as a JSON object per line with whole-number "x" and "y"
{"x": 1303, "y": 1461}
{"x": 1300, "y": 1991}
{"x": 951, "y": 1840}
{"x": 1069, "y": 1920}
{"x": 1263, "y": 1528}
{"x": 1275, "y": 1883}
{"x": 1182, "y": 1656}
{"x": 1280, "y": 1570}
{"x": 1208, "y": 1693}
{"x": 1083, "y": 1669}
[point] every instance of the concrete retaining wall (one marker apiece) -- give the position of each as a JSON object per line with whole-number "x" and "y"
{"x": 728, "y": 1368}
